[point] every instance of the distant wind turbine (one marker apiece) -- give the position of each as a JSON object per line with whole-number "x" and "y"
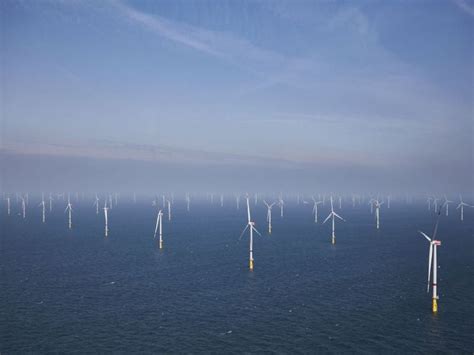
{"x": 169, "y": 209}
{"x": 377, "y": 211}
{"x": 315, "y": 209}
{"x": 69, "y": 209}
{"x": 23, "y": 207}
{"x": 106, "y": 209}
{"x": 446, "y": 203}
{"x": 269, "y": 215}
{"x": 96, "y": 204}
{"x": 8, "y": 204}
{"x": 461, "y": 206}
{"x": 159, "y": 227}
{"x": 333, "y": 214}
{"x": 42, "y": 204}
{"x": 281, "y": 203}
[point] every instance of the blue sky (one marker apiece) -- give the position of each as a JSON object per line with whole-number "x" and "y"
{"x": 372, "y": 84}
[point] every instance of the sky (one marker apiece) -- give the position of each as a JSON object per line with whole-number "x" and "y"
{"x": 277, "y": 95}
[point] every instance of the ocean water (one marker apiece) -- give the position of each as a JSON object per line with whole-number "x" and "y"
{"x": 75, "y": 291}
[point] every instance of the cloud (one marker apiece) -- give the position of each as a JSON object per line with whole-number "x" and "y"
{"x": 465, "y": 6}
{"x": 235, "y": 50}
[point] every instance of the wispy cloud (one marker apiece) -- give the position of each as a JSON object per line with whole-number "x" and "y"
{"x": 235, "y": 50}
{"x": 467, "y": 7}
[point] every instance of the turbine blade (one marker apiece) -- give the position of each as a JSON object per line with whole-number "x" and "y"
{"x": 256, "y": 231}
{"x": 339, "y": 216}
{"x": 330, "y": 215}
{"x": 424, "y": 235}
{"x": 243, "y": 231}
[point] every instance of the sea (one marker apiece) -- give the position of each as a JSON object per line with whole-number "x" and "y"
{"x": 75, "y": 291}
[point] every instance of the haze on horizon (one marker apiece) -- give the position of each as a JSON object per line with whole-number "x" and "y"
{"x": 233, "y": 95}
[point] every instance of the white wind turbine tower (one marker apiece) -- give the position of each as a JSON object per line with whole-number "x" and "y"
{"x": 169, "y": 209}
{"x": 43, "y": 205}
{"x": 69, "y": 209}
{"x": 256, "y": 199}
{"x": 23, "y": 207}
{"x": 8, "y": 204}
{"x": 188, "y": 202}
{"x": 446, "y": 203}
{"x": 222, "y": 200}
{"x": 50, "y": 202}
{"x": 159, "y": 227}
{"x": 461, "y": 206}
{"x": 315, "y": 209}
{"x": 106, "y": 209}
{"x": 237, "y": 200}
{"x": 333, "y": 214}
{"x": 251, "y": 226}
{"x": 433, "y": 257}
{"x": 377, "y": 211}
{"x": 388, "y": 201}
{"x": 435, "y": 204}
{"x": 281, "y": 203}
{"x": 429, "y": 203}
{"x": 340, "y": 202}
{"x": 96, "y": 204}
{"x": 269, "y": 215}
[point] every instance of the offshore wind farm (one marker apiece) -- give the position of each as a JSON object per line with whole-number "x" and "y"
{"x": 245, "y": 176}
{"x": 298, "y": 290}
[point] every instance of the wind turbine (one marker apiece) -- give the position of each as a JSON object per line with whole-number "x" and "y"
{"x": 281, "y": 203}
{"x": 222, "y": 200}
{"x": 269, "y": 215}
{"x": 389, "y": 198}
{"x": 237, "y": 200}
{"x": 446, "y": 203}
{"x": 188, "y": 201}
{"x": 433, "y": 257}
{"x": 169, "y": 209}
{"x": 158, "y": 227}
{"x": 96, "y": 204}
{"x": 8, "y": 204}
{"x": 340, "y": 202}
{"x": 429, "y": 203}
{"x": 106, "y": 218}
{"x": 23, "y": 206}
{"x": 377, "y": 211}
{"x": 461, "y": 206}
{"x": 333, "y": 214}
{"x": 315, "y": 209}
{"x": 43, "y": 209}
{"x": 69, "y": 209}
{"x": 251, "y": 226}
{"x": 435, "y": 203}
{"x": 50, "y": 202}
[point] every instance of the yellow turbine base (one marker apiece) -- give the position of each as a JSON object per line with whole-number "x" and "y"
{"x": 251, "y": 264}
{"x": 435, "y": 305}
{"x": 161, "y": 245}
{"x": 333, "y": 240}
